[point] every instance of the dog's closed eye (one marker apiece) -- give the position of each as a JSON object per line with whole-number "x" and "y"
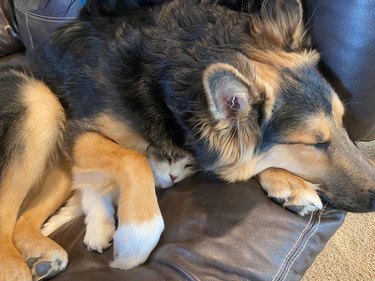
{"x": 319, "y": 145}
{"x": 322, "y": 145}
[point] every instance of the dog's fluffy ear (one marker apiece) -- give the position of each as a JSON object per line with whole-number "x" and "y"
{"x": 228, "y": 92}
{"x": 283, "y": 20}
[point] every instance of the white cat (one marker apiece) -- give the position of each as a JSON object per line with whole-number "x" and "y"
{"x": 96, "y": 201}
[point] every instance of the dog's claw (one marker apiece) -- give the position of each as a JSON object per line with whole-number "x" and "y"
{"x": 280, "y": 201}
{"x": 295, "y": 208}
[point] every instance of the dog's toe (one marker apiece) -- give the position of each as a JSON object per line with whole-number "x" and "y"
{"x": 49, "y": 266}
{"x": 31, "y": 261}
{"x": 42, "y": 268}
{"x": 304, "y": 202}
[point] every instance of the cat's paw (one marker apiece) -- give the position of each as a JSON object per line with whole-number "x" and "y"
{"x": 291, "y": 191}
{"x": 133, "y": 243}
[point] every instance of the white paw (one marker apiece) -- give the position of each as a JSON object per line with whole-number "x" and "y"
{"x": 99, "y": 235}
{"x": 300, "y": 201}
{"x": 290, "y": 191}
{"x": 304, "y": 202}
{"x": 133, "y": 242}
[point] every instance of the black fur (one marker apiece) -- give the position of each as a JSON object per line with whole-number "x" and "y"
{"x": 148, "y": 69}
{"x": 303, "y": 94}
{"x": 12, "y": 113}
{"x": 150, "y": 76}
{"x": 116, "y": 8}
{"x": 156, "y": 63}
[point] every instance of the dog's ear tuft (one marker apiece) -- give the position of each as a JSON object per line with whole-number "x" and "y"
{"x": 283, "y": 19}
{"x": 227, "y": 91}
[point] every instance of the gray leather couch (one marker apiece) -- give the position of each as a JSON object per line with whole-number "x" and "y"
{"x": 217, "y": 231}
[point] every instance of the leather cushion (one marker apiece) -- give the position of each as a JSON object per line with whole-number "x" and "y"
{"x": 343, "y": 32}
{"x": 9, "y": 38}
{"x": 214, "y": 231}
{"x": 38, "y": 19}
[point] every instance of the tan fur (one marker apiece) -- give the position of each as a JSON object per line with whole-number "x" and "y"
{"x": 27, "y": 236}
{"x": 236, "y": 147}
{"x": 281, "y": 183}
{"x": 128, "y": 169}
{"x": 291, "y": 189}
{"x": 288, "y": 30}
{"x": 302, "y": 159}
{"x": 282, "y": 59}
{"x": 120, "y": 132}
{"x": 39, "y": 135}
{"x": 316, "y": 129}
{"x": 337, "y": 109}
{"x": 265, "y": 79}
{"x": 233, "y": 141}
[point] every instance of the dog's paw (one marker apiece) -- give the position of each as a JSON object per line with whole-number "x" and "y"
{"x": 133, "y": 242}
{"x": 44, "y": 257}
{"x": 99, "y": 235}
{"x": 303, "y": 202}
{"x": 47, "y": 265}
{"x": 291, "y": 191}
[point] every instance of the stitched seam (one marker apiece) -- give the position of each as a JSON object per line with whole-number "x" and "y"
{"x": 304, "y": 245}
{"x": 298, "y": 246}
{"x": 48, "y": 20}
{"x": 40, "y": 16}
{"x": 28, "y": 31}
{"x": 292, "y": 249}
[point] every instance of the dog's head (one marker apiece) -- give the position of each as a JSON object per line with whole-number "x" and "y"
{"x": 269, "y": 107}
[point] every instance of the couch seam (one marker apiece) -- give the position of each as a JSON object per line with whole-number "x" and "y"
{"x": 294, "y": 246}
{"x": 47, "y": 18}
{"x": 304, "y": 245}
{"x": 295, "y": 250}
{"x": 28, "y": 31}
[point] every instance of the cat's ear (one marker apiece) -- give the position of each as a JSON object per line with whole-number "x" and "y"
{"x": 228, "y": 92}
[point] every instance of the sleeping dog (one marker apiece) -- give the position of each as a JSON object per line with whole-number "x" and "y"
{"x": 241, "y": 92}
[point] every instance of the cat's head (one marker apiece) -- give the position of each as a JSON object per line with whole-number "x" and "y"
{"x": 171, "y": 166}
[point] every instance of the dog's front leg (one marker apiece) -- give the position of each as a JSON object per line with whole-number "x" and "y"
{"x": 139, "y": 217}
{"x": 290, "y": 191}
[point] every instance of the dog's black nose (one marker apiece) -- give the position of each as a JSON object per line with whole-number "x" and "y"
{"x": 373, "y": 204}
